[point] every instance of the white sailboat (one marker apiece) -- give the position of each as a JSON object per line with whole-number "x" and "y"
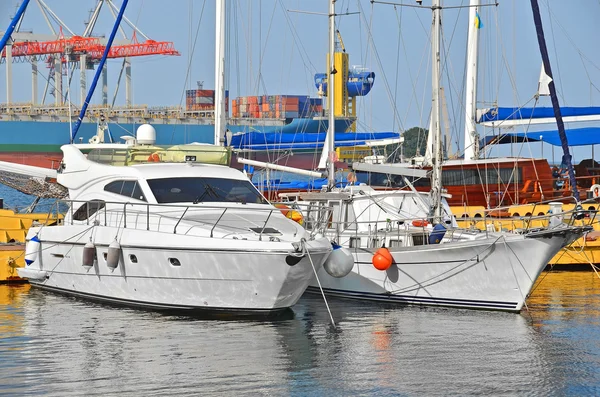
{"x": 406, "y": 249}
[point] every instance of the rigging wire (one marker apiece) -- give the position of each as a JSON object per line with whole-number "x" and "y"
{"x": 189, "y": 65}
{"x": 379, "y": 62}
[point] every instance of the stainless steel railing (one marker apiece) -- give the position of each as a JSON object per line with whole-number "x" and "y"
{"x": 113, "y": 212}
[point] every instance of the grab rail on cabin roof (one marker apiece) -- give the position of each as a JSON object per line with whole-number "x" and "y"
{"x": 145, "y": 211}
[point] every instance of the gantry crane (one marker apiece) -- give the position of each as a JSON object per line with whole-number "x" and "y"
{"x": 82, "y": 50}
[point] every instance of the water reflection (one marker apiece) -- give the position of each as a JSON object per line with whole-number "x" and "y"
{"x": 63, "y": 346}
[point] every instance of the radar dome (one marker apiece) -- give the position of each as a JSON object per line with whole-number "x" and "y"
{"x": 145, "y": 135}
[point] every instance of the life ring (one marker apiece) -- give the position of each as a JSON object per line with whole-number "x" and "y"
{"x": 420, "y": 223}
{"x": 595, "y": 189}
{"x": 154, "y": 157}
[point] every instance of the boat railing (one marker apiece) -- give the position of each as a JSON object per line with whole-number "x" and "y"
{"x": 532, "y": 221}
{"x": 319, "y": 218}
{"x": 137, "y": 215}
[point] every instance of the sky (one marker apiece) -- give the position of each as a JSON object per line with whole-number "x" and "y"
{"x": 276, "y": 46}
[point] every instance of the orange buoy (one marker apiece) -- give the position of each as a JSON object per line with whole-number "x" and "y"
{"x": 283, "y": 208}
{"x": 420, "y": 223}
{"x": 289, "y": 213}
{"x": 382, "y": 260}
{"x": 296, "y": 216}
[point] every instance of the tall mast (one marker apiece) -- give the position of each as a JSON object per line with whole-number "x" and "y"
{"x": 566, "y": 158}
{"x": 220, "y": 121}
{"x": 471, "y": 137}
{"x": 330, "y": 81}
{"x": 436, "y": 131}
{"x": 13, "y": 24}
{"x": 327, "y": 155}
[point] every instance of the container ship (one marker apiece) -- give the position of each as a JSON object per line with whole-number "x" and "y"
{"x": 32, "y": 133}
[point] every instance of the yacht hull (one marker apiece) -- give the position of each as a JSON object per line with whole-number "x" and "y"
{"x": 177, "y": 272}
{"x": 496, "y": 273}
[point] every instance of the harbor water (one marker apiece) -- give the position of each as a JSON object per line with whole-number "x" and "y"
{"x": 56, "y": 345}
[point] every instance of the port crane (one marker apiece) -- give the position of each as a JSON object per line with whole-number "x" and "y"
{"x": 75, "y": 50}
{"x": 348, "y": 84}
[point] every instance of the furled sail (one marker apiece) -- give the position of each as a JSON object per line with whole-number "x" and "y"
{"x": 257, "y": 141}
{"x": 514, "y": 116}
{"x": 576, "y": 137}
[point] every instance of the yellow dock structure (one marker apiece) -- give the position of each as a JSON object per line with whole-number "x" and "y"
{"x": 583, "y": 253}
{"x": 13, "y": 231}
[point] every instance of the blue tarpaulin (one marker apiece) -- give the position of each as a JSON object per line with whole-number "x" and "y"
{"x": 500, "y": 114}
{"x": 287, "y": 141}
{"x": 576, "y": 137}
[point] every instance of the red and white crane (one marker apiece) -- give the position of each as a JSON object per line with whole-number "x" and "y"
{"x": 82, "y": 51}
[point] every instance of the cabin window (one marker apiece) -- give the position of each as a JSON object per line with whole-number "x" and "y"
{"x": 460, "y": 177}
{"x": 502, "y": 176}
{"x": 130, "y": 189}
{"x": 482, "y": 176}
{"x": 199, "y": 190}
{"x": 419, "y": 239}
{"x": 86, "y": 210}
{"x": 354, "y": 242}
{"x": 375, "y": 243}
{"x": 335, "y": 214}
{"x": 395, "y": 243}
{"x": 350, "y": 217}
{"x": 379, "y": 179}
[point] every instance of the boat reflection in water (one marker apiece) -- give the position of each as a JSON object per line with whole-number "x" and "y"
{"x": 71, "y": 346}
{"x": 11, "y": 318}
{"x": 565, "y": 296}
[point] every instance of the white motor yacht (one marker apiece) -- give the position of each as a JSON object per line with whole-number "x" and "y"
{"x": 171, "y": 236}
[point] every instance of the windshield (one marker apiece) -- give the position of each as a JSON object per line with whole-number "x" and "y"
{"x": 200, "y": 190}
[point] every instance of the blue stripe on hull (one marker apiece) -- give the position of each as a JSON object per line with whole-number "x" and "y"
{"x": 419, "y": 300}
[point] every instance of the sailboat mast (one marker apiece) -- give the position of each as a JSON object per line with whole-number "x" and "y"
{"x": 220, "y": 121}
{"x": 330, "y": 139}
{"x": 471, "y": 137}
{"x": 566, "y": 159}
{"x": 436, "y": 131}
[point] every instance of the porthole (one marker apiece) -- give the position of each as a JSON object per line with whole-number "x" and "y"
{"x": 174, "y": 262}
{"x": 133, "y": 259}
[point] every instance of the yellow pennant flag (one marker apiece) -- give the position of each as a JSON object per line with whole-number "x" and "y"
{"x": 478, "y": 23}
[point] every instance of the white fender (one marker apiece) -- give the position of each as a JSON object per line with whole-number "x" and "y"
{"x": 32, "y": 250}
{"x": 339, "y": 263}
{"x": 32, "y": 274}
